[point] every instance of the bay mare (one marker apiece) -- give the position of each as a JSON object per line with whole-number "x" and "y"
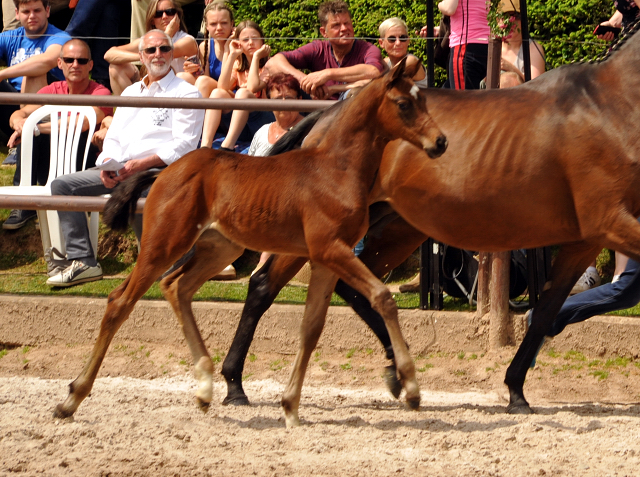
{"x": 551, "y": 162}
{"x": 312, "y": 202}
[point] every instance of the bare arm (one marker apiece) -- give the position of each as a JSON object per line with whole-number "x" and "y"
{"x": 448, "y": 7}
{"x": 537, "y": 59}
{"x": 254, "y": 83}
{"x": 228, "y": 61}
{"x": 37, "y": 65}
{"x": 280, "y": 64}
{"x": 118, "y": 55}
{"x": 184, "y": 47}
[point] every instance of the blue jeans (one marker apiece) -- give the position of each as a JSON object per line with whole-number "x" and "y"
{"x": 620, "y": 295}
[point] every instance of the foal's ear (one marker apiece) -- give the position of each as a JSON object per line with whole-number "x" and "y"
{"x": 397, "y": 72}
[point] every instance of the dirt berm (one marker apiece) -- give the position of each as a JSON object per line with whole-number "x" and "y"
{"x": 35, "y": 320}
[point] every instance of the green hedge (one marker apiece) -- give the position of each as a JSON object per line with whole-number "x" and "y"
{"x": 561, "y": 26}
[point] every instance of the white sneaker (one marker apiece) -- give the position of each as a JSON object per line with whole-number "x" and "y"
{"x": 589, "y": 279}
{"x": 75, "y": 274}
{"x": 229, "y": 273}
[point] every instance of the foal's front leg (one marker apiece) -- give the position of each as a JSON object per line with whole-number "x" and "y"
{"x": 319, "y": 294}
{"x": 351, "y": 270}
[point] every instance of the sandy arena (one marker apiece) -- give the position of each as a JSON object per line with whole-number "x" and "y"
{"x": 141, "y": 419}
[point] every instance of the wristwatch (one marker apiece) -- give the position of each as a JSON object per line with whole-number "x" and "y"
{"x": 36, "y": 131}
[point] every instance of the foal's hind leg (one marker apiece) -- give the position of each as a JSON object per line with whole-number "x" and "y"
{"x": 119, "y": 306}
{"x": 569, "y": 265}
{"x": 264, "y": 286}
{"x": 319, "y": 293}
{"x": 213, "y": 253}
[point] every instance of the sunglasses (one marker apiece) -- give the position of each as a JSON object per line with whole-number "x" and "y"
{"x": 169, "y": 11}
{"x": 81, "y": 61}
{"x": 152, "y": 49}
{"x": 402, "y": 38}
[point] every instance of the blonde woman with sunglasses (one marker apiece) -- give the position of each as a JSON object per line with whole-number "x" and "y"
{"x": 162, "y": 15}
{"x": 394, "y": 40}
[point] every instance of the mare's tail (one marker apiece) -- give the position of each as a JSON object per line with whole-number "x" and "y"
{"x": 122, "y": 203}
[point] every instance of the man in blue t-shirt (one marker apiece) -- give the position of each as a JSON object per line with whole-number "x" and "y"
{"x": 31, "y": 52}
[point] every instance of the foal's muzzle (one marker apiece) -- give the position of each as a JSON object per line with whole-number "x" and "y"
{"x": 438, "y": 148}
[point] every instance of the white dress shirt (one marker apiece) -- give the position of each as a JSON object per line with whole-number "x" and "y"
{"x": 136, "y": 133}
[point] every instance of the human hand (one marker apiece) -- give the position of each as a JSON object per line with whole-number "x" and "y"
{"x": 263, "y": 52}
{"x": 98, "y": 138}
{"x": 108, "y": 178}
{"x": 190, "y": 66}
{"x": 320, "y": 92}
{"x": 314, "y": 80}
{"x": 18, "y": 124}
{"x": 235, "y": 49}
{"x": 14, "y": 140}
{"x": 173, "y": 26}
{"x": 608, "y": 36}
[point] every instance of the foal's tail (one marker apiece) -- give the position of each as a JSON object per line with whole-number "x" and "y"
{"x": 122, "y": 203}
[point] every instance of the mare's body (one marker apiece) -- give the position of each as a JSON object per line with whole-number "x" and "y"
{"x": 551, "y": 162}
{"x": 311, "y": 203}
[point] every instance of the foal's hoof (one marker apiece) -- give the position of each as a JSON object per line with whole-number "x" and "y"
{"x": 414, "y": 403}
{"x": 391, "y": 380}
{"x": 519, "y": 407}
{"x": 202, "y": 405}
{"x": 61, "y": 413}
{"x": 236, "y": 401}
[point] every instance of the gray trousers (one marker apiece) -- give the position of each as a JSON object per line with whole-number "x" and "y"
{"x": 74, "y": 224}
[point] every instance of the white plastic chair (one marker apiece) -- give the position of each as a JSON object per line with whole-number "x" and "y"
{"x": 64, "y": 149}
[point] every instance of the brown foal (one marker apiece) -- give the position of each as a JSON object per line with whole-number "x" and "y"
{"x": 311, "y": 203}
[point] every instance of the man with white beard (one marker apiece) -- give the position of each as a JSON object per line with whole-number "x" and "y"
{"x": 139, "y": 139}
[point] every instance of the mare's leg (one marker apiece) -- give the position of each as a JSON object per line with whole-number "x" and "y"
{"x": 213, "y": 253}
{"x": 321, "y": 286}
{"x": 568, "y": 266}
{"x": 264, "y": 286}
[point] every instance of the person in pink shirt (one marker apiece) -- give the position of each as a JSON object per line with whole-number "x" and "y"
{"x": 468, "y": 40}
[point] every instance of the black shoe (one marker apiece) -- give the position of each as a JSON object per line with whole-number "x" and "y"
{"x": 12, "y": 157}
{"x": 18, "y": 219}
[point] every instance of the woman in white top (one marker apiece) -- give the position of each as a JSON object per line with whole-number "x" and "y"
{"x": 279, "y": 86}
{"x": 394, "y": 39}
{"x": 161, "y": 15}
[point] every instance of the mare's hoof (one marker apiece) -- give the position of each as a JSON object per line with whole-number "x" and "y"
{"x": 414, "y": 404}
{"x": 203, "y": 406}
{"x": 236, "y": 401}
{"x": 519, "y": 407}
{"x": 391, "y": 380}
{"x": 60, "y": 413}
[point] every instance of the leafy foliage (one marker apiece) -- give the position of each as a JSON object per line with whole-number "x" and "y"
{"x": 563, "y": 27}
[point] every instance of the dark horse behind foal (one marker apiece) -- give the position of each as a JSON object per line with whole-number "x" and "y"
{"x": 311, "y": 203}
{"x": 551, "y": 162}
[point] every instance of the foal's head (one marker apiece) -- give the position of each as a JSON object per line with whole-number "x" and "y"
{"x": 403, "y": 112}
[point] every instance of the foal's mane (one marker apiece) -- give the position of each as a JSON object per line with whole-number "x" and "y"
{"x": 293, "y": 139}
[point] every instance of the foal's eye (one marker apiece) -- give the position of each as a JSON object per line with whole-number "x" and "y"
{"x": 404, "y": 104}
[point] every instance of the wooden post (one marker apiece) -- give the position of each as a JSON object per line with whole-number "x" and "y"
{"x": 500, "y": 261}
{"x": 499, "y": 292}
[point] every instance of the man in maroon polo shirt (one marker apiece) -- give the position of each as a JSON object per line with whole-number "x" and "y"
{"x": 335, "y": 63}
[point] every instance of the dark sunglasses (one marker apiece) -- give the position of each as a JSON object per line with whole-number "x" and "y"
{"x": 402, "y": 38}
{"x": 152, "y": 49}
{"x": 169, "y": 11}
{"x": 81, "y": 61}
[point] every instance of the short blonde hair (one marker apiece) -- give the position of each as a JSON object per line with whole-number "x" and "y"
{"x": 389, "y": 23}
